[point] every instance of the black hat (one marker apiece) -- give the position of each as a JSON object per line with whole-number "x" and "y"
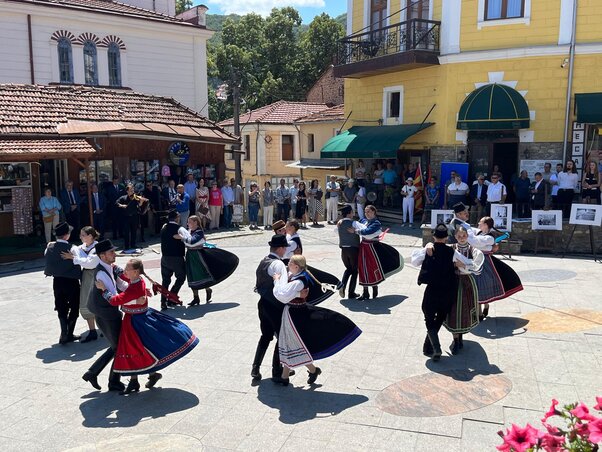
{"x": 62, "y": 229}
{"x": 460, "y": 207}
{"x": 172, "y": 214}
{"x": 440, "y": 231}
{"x": 346, "y": 210}
{"x": 278, "y": 240}
{"x": 104, "y": 245}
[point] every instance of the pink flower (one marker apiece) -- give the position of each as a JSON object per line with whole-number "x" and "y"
{"x": 519, "y": 439}
{"x": 551, "y": 429}
{"x": 552, "y": 411}
{"x": 598, "y": 406}
{"x": 552, "y": 443}
{"x": 582, "y": 413}
{"x": 594, "y": 431}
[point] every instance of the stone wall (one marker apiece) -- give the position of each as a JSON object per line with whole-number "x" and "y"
{"x": 441, "y": 154}
{"x": 327, "y": 90}
{"x": 540, "y": 151}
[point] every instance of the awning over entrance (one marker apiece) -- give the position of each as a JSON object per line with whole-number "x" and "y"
{"x": 589, "y": 108}
{"x": 370, "y": 141}
{"x": 317, "y": 164}
{"x": 493, "y": 107}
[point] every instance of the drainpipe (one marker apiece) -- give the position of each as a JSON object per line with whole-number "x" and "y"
{"x": 31, "y": 68}
{"x": 569, "y": 87}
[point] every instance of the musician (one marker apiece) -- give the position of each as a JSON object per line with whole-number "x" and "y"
{"x": 130, "y": 203}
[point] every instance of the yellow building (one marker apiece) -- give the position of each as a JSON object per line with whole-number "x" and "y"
{"x": 492, "y": 76}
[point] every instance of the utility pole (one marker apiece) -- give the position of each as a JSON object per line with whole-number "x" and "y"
{"x": 236, "y": 147}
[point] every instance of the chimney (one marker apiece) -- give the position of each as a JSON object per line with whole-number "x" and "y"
{"x": 196, "y": 15}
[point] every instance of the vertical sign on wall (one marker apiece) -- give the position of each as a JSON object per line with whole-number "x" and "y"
{"x": 578, "y": 149}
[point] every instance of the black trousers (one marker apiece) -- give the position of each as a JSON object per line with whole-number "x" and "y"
{"x": 116, "y": 221}
{"x": 349, "y": 256}
{"x": 131, "y": 228}
{"x": 108, "y": 319}
{"x": 171, "y": 265}
{"x": 270, "y": 316}
{"x": 66, "y": 298}
{"x": 437, "y": 303}
{"x": 72, "y": 217}
{"x": 565, "y": 200}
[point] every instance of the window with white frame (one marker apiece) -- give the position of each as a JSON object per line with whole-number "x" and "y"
{"x": 504, "y": 9}
{"x": 65, "y": 55}
{"x": 90, "y": 63}
{"x": 393, "y": 104}
{"x": 114, "y": 57}
{"x": 287, "y": 147}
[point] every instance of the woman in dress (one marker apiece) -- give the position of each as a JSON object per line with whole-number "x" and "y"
{"x": 149, "y": 340}
{"x": 215, "y": 205}
{"x": 85, "y": 256}
{"x": 268, "y": 205}
{"x": 591, "y": 184}
{"x": 50, "y": 208}
{"x": 301, "y": 206}
{"x": 376, "y": 260}
{"x": 205, "y": 267}
{"x": 567, "y": 184}
{"x": 254, "y": 196}
{"x": 202, "y": 203}
{"x": 497, "y": 280}
{"x": 316, "y": 208}
{"x": 307, "y": 332}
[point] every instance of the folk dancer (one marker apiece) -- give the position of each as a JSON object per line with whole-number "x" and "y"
{"x": 307, "y": 332}
{"x": 292, "y": 236}
{"x": 172, "y": 258}
{"x": 460, "y": 218}
{"x": 349, "y": 242}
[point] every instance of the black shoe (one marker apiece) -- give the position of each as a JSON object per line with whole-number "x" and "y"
{"x": 485, "y": 311}
{"x": 353, "y": 295}
{"x": 195, "y": 301}
{"x": 73, "y": 338}
{"x": 116, "y": 386}
{"x": 427, "y": 347}
{"x": 313, "y": 377}
{"x": 461, "y": 342}
{"x": 209, "y": 292}
{"x": 171, "y": 304}
{"x": 92, "y": 336}
{"x": 375, "y": 292}
{"x": 255, "y": 373}
{"x": 365, "y": 295}
{"x": 434, "y": 338}
{"x": 64, "y": 331}
{"x": 454, "y": 348}
{"x": 281, "y": 381}
{"x": 152, "y": 380}
{"x": 92, "y": 379}
{"x": 133, "y": 386}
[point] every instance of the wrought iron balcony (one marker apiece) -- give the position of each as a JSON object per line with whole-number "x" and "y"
{"x": 406, "y": 45}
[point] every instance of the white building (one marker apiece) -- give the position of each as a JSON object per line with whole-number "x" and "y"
{"x": 133, "y": 44}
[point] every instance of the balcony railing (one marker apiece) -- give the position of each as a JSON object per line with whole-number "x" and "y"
{"x": 412, "y": 35}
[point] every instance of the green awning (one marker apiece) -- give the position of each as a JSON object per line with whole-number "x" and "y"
{"x": 493, "y": 107}
{"x": 589, "y": 108}
{"x": 370, "y": 141}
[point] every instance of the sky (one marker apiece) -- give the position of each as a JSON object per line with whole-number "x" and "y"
{"x": 307, "y": 8}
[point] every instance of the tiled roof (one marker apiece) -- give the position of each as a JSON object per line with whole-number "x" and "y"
{"x": 108, "y": 7}
{"x": 70, "y": 110}
{"x": 41, "y": 149}
{"x": 281, "y": 112}
{"x": 336, "y": 113}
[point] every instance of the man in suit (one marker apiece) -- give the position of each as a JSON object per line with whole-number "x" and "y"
{"x": 539, "y": 192}
{"x": 169, "y": 195}
{"x": 113, "y": 191}
{"x": 99, "y": 205}
{"x": 478, "y": 197}
{"x": 71, "y": 202}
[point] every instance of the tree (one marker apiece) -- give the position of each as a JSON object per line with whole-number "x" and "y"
{"x": 183, "y": 5}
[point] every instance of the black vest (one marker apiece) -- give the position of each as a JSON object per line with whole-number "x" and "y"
{"x": 57, "y": 266}
{"x": 438, "y": 270}
{"x": 299, "y": 249}
{"x": 169, "y": 245}
{"x": 97, "y": 304}
{"x": 346, "y": 238}
{"x": 264, "y": 283}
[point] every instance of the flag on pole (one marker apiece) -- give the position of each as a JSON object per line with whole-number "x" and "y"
{"x": 418, "y": 206}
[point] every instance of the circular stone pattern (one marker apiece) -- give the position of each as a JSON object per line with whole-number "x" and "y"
{"x": 546, "y": 275}
{"x": 565, "y": 321}
{"x": 442, "y": 394}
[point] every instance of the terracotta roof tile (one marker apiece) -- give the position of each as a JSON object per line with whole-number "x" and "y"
{"x": 26, "y": 149}
{"x": 281, "y": 112}
{"x": 336, "y": 113}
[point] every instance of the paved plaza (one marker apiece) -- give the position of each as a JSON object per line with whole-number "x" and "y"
{"x": 380, "y": 393}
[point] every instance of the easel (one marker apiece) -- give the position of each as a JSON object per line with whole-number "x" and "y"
{"x": 548, "y": 236}
{"x": 591, "y": 240}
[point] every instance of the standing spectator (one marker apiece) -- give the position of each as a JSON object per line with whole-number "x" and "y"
{"x": 99, "y": 205}
{"x": 554, "y": 184}
{"x": 228, "y": 200}
{"x": 591, "y": 184}
{"x": 268, "y": 205}
{"x": 332, "y": 199}
{"x": 293, "y": 191}
{"x": 457, "y": 191}
{"x": 215, "y": 205}
{"x": 350, "y": 194}
{"x": 408, "y": 192}
{"x": 190, "y": 188}
{"x": 283, "y": 201}
{"x": 451, "y": 180}
{"x": 360, "y": 172}
{"x": 478, "y": 198}
{"x": 50, "y": 208}
{"x": 169, "y": 195}
{"x": 153, "y": 194}
{"x": 182, "y": 202}
{"x": 522, "y": 191}
{"x": 496, "y": 192}
{"x": 172, "y": 257}
{"x": 129, "y": 204}
{"x": 378, "y": 182}
{"x": 254, "y": 196}
{"x": 202, "y": 203}
{"x": 361, "y": 199}
{"x": 113, "y": 192}
{"x": 547, "y": 172}
{"x": 71, "y": 203}
{"x": 431, "y": 196}
{"x": 539, "y": 190}
{"x": 567, "y": 184}
{"x": 410, "y": 172}
{"x": 238, "y": 203}
{"x": 301, "y": 204}
{"x": 389, "y": 179}
{"x": 316, "y": 208}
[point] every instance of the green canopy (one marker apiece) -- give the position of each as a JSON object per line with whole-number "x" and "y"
{"x": 589, "y": 108}
{"x": 493, "y": 107}
{"x": 370, "y": 141}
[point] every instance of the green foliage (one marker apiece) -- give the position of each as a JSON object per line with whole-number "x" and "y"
{"x": 183, "y": 5}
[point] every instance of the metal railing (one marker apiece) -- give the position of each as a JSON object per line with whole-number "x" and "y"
{"x": 413, "y": 34}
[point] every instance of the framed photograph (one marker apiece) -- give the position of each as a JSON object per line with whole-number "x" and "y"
{"x": 502, "y": 216}
{"x": 546, "y": 220}
{"x": 586, "y": 214}
{"x": 441, "y": 216}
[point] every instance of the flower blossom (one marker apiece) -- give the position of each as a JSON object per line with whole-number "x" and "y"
{"x": 552, "y": 411}
{"x": 582, "y": 413}
{"x": 552, "y": 443}
{"x": 519, "y": 439}
{"x": 598, "y": 406}
{"x": 594, "y": 431}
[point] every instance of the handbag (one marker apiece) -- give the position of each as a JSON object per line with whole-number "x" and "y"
{"x": 48, "y": 219}
{"x": 319, "y": 194}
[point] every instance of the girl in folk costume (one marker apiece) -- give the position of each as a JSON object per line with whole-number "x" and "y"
{"x": 205, "y": 267}
{"x": 85, "y": 256}
{"x": 307, "y": 332}
{"x": 376, "y": 260}
{"x": 497, "y": 280}
{"x": 149, "y": 340}
{"x": 202, "y": 203}
{"x": 293, "y": 239}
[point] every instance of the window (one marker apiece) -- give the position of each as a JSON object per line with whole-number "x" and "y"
{"x": 504, "y": 9}
{"x": 65, "y": 61}
{"x": 311, "y": 146}
{"x": 378, "y": 12}
{"x": 247, "y": 147}
{"x": 287, "y": 147}
{"x": 90, "y": 64}
{"x": 393, "y": 105}
{"x": 114, "y": 56}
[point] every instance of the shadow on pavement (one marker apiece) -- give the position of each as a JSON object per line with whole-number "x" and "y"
{"x": 498, "y": 327}
{"x": 380, "y": 305}
{"x": 470, "y": 362}
{"x": 196, "y": 312}
{"x": 297, "y": 404}
{"x": 73, "y": 351}
{"x": 106, "y": 409}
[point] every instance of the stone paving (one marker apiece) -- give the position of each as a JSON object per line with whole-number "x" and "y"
{"x": 379, "y": 393}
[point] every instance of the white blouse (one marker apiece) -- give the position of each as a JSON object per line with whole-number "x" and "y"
{"x": 418, "y": 257}
{"x": 85, "y": 256}
{"x": 285, "y": 291}
{"x": 568, "y": 181}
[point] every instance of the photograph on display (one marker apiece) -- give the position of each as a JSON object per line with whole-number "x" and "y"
{"x": 441, "y": 216}
{"x": 546, "y": 220}
{"x": 586, "y": 214}
{"x": 502, "y": 216}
